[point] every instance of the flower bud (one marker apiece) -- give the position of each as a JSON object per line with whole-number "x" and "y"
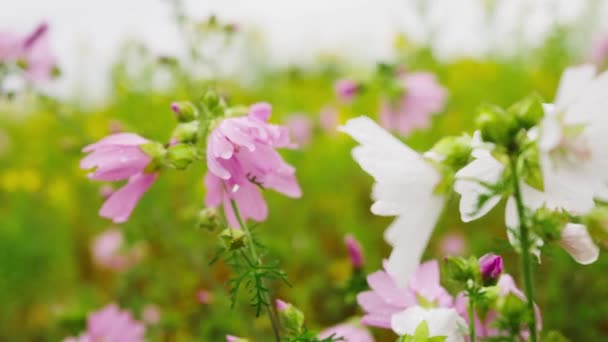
{"x": 186, "y": 132}
{"x": 208, "y": 218}
{"x": 185, "y": 111}
{"x": 233, "y": 238}
{"x": 496, "y": 125}
{"x": 346, "y": 89}
{"x": 578, "y": 243}
{"x": 491, "y": 268}
{"x": 462, "y": 271}
{"x": 292, "y": 317}
{"x": 180, "y": 156}
{"x": 230, "y": 338}
{"x": 454, "y": 152}
{"x": 528, "y": 111}
{"x": 354, "y": 251}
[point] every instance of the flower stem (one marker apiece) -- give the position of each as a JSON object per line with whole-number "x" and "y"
{"x": 471, "y": 318}
{"x": 270, "y": 308}
{"x": 525, "y": 250}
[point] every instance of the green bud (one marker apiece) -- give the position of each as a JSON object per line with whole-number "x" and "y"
{"x": 157, "y": 152}
{"x": 529, "y": 111}
{"x": 233, "y": 239}
{"x": 597, "y": 222}
{"x": 464, "y": 272}
{"x": 496, "y": 125}
{"x": 186, "y": 132}
{"x": 180, "y": 156}
{"x": 211, "y": 99}
{"x": 513, "y": 312}
{"x": 208, "y": 218}
{"x": 530, "y": 169}
{"x": 549, "y": 223}
{"x": 292, "y": 317}
{"x": 455, "y": 151}
{"x": 185, "y": 111}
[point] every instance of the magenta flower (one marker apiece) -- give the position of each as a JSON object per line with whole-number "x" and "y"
{"x": 111, "y": 324}
{"x": 33, "y": 50}
{"x": 119, "y": 157}
{"x": 347, "y": 332}
{"x": 386, "y": 298}
{"x": 346, "y": 89}
{"x": 241, "y": 160}
{"x": 355, "y": 252}
{"x": 422, "y": 96}
{"x": 491, "y": 267}
{"x": 300, "y": 129}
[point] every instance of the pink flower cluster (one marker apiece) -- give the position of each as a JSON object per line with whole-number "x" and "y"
{"x": 32, "y": 50}
{"x": 422, "y": 96}
{"x": 119, "y": 157}
{"x": 111, "y": 324}
{"x": 386, "y": 298}
{"x": 242, "y": 160}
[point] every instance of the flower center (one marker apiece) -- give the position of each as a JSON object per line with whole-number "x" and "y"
{"x": 573, "y": 146}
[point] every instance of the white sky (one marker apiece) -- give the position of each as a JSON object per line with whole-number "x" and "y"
{"x": 87, "y": 34}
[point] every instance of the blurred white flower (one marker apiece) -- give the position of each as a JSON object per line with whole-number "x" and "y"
{"x": 405, "y": 184}
{"x": 442, "y": 322}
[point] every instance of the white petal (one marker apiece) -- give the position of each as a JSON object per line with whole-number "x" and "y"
{"x": 574, "y": 82}
{"x": 578, "y": 243}
{"x": 441, "y": 322}
{"x": 486, "y": 169}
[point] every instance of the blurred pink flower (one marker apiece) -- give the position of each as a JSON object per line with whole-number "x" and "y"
{"x": 108, "y": 251}
{"x": 422, "y": 96}
{"x": 386, "y": 298}
{"x": 241, "y": 160}
{"x": 300, "y": 129}
{"x": 355, "y": 252}
{"x": 118, "y": 157}
{"x": 599, "y": 50}
{"x": 452, "y": 244}
{"x": 204, "y": 296}
{"x": 111, "y": 324}
{"x": 346, "y": 89}
{"x": 329, "y": 119}
{"x": 348, "y": 332}
{"x": 151, "y": 314}
{"x": 32, "y": 50}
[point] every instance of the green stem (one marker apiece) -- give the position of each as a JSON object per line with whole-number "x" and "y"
{"x": 271, "y": 310}
{"x": 525, "y": 250}
{"x": 472, "y": 317}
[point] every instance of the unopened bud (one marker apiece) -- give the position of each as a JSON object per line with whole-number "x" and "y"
{"x": 292, "y": 317}
{"x": 186, "y": 132}
{"x": 346, "y": 89}
{"x": 528, "y": 111}
{"x": 180, "y": 156}
{"x": 209, "y": 218}
{"x": 354, "y": 251}
{"x": 462, "y": 271}
{"x": 185, "y": 111}
{"x": 491, "y": 267}
{"x": 454, "y": 152}
{"x": 230, "y": 338}
{"x": 233, "y": 238}
{"x": 496, "y": 125}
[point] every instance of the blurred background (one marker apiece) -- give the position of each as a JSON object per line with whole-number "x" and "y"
{"x": 121, "y": 65}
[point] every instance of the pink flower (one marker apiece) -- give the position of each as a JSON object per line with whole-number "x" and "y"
{"x": 348, "y": 332}
{"x": 346, "y": 89}
{"x": 119, "y": 157}
{"x": 355, "y": 251}
{"x": 599, "y": 50}
{"x": 151, "y": 314}
{"x": 33, "y": 50}
{"x": 300, "y": 129}
{"x": 491, "y": 267}
{"x": 387, "y": 298}
{"x": 329, "y": 119}
{"x": 422, "y": 96}
{"x": 452, "y": 244}
{"x": 110, "y": 324}
{"x": 241, "y": 160}
{"x": 281, "y": 305}
{"x": 204, "y": 296}
{"x": 107, "y": 250}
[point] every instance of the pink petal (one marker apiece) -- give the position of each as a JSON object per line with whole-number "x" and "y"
{"x": 123, "y": 139}
{"x": 119, "y": 206}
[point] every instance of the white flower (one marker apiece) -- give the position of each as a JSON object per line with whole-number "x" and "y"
{"x": 576, "y": 241}
{"x": 405, "y": 184}
{"x": 485, "y": 168}
{"x": 441, "y": 322}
